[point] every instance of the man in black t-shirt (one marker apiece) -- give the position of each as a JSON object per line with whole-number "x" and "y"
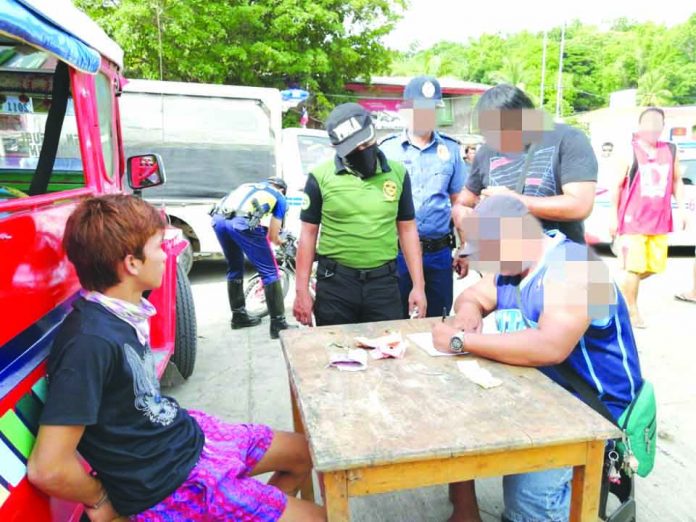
{"x": 550, "y": 167}
{"x": 150, "y": 458}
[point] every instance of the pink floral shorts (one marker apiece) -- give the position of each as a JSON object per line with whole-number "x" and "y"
{"x": 219, "y": 486}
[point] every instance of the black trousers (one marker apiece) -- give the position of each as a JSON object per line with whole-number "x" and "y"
{"x": 346, "y": 298}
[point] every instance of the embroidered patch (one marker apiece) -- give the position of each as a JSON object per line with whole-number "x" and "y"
{"x": 389, "y": 189}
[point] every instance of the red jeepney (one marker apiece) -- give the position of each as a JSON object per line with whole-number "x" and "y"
{"x": 60, "y": 142}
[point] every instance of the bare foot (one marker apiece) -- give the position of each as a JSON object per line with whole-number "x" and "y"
{"x": 637, "y": 321}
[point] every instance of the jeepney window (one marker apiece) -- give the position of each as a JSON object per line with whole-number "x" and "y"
{"x": 105, "y": 108}
{"x": 26, "y": 84}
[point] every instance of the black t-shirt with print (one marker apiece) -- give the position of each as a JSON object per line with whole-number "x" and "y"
{"x": 564, "y": 155}
{"x": 141, "y": 444}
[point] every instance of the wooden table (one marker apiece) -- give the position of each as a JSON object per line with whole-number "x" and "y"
{"x": 418, "y": 422}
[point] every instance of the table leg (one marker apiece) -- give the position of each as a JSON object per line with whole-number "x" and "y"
{"x": 307, "y": 489}
{"x": 336, "y": 496}
{"x": 587, "y": 481}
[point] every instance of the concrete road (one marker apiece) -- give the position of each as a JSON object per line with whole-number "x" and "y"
{"x": 241, "y": 377}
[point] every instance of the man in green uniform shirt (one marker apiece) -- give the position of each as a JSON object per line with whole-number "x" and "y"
{"x": 363, "y": 204}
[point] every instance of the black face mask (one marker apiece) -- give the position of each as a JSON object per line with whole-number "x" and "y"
{"x": 363, "y": 163}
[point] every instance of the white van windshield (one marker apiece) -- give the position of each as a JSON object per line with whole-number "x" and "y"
{"x": 314, "y": 150}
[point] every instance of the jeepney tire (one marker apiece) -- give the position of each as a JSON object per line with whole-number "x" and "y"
{"x": 185, "y": 259}
{"x": 186, "y": 342}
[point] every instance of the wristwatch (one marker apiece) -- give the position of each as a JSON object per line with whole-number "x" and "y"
{"x": 457, "y": 342}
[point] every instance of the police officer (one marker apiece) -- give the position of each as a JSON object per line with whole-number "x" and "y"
{"x": 438, "y": 174}
{"x": 244, "y": 221}
{"x": 363, "y": 204}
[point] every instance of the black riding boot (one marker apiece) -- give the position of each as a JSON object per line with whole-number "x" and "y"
{"x": 276, "y": 308}
{"x": 240, "y": 317}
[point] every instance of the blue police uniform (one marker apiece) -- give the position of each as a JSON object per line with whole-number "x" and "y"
{"x": 231, "y": 222}
{"x": 437, "y": 172}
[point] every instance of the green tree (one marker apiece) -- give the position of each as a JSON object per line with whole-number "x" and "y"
{"x": 314, "y": 44}
{"x": 652, "y": 89}
{"x": 658, "y": 60}
{"x": 513, "y": 72}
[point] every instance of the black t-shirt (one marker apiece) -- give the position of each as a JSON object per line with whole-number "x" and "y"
{"x": 141, "y": 444}
{"x": 564, "y": 155}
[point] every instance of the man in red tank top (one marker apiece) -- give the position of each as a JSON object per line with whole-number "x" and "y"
{"x": 643, "y": 204}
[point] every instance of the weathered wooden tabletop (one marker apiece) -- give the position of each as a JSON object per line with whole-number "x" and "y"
{"x": 421, "y": 407}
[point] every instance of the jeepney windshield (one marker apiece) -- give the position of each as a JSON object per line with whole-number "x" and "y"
{"x": 26, "y": 84}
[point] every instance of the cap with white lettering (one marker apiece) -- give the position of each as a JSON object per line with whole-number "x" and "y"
{"x": 349, "y": 125}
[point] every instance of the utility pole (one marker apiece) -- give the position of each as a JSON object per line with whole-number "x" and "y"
{"x": 543, "y": 68}
{"x": 559, "y": 86}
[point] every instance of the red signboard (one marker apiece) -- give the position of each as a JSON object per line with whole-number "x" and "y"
{"x": 384, "y": 112}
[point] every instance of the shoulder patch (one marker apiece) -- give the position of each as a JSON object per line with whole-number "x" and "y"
{"x": 387, "y": 138}
{"x": 449, "y": 138}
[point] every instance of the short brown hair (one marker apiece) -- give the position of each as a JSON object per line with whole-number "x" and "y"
{"x": 102, "y": 231}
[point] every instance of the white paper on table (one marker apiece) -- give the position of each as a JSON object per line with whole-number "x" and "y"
{"x": 478, "y": 375}
{"x": 424, "y": 340}
{"x": 349, "y": 360}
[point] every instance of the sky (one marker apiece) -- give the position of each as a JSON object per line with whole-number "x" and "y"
{"x": 430, "y": 21}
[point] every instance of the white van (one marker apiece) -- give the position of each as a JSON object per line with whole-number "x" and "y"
{"x": 212, "y": 138}
{"x": 303, "y": 149}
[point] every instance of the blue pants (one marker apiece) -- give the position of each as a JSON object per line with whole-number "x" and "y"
{"x": 439, "y": 281}
{"x": 543, "y": 496}
{"x": 252, "y": 243}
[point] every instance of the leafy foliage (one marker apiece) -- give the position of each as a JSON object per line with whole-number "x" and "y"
{"x": 317, "y": 45}
{"x": 658, "y": 61}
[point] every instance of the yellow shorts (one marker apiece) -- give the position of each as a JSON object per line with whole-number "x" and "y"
{"x": 643, "y": 254}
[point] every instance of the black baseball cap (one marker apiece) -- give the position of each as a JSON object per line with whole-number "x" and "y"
{"x": 349, "y": 125}
{"x": 494, "y": 207}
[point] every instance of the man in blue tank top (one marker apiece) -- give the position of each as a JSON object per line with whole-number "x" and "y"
{"x": 554, "y": 301}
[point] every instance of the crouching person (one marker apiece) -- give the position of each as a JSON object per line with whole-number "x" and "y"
{"x": 556, "y": 308}
{"x": 150, "y": 458}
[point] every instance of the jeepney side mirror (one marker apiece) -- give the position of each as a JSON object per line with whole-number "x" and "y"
{"x": 145, "y": 171}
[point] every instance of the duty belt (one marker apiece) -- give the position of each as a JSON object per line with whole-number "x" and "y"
{"x": 329, "y": 266}
{"x": 435, "y": 245}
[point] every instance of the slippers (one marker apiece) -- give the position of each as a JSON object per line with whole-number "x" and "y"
{"x": 684, "y": 298}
